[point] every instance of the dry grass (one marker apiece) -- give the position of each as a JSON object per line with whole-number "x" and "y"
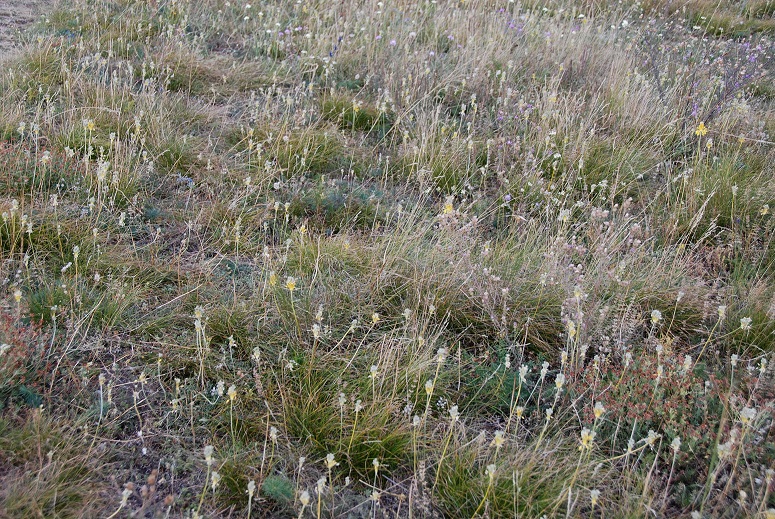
{"x": 400, "y": 259}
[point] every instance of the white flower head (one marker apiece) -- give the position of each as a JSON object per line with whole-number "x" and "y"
{"x": 523, "y": 373}
{"x": 676, "y": 444}
{"x": 747, "y": 415}
{"x": 208, "y": 451}
{"x": 490, "y": 471}
{"x": 215, "y": 480}
{"x": 499, "y": 439}
{"x": 687, "y": 365}
{"x": 598, "y": 409}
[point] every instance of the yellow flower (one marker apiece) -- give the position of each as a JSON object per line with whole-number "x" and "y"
{"x": 290, "y": 283}
{"x": 572, "y": 330}
{"x": 587, "y": 437}
{"x": 701, "y": 130}
{"x": 448, "y": 207}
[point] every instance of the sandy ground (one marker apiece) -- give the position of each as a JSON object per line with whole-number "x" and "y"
{"x": 14, "y": 16}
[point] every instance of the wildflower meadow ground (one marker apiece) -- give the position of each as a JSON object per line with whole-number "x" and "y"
{"x": 389, "y": 259}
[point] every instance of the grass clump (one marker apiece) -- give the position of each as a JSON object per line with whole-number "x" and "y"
{"x": 354, "y": 115}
